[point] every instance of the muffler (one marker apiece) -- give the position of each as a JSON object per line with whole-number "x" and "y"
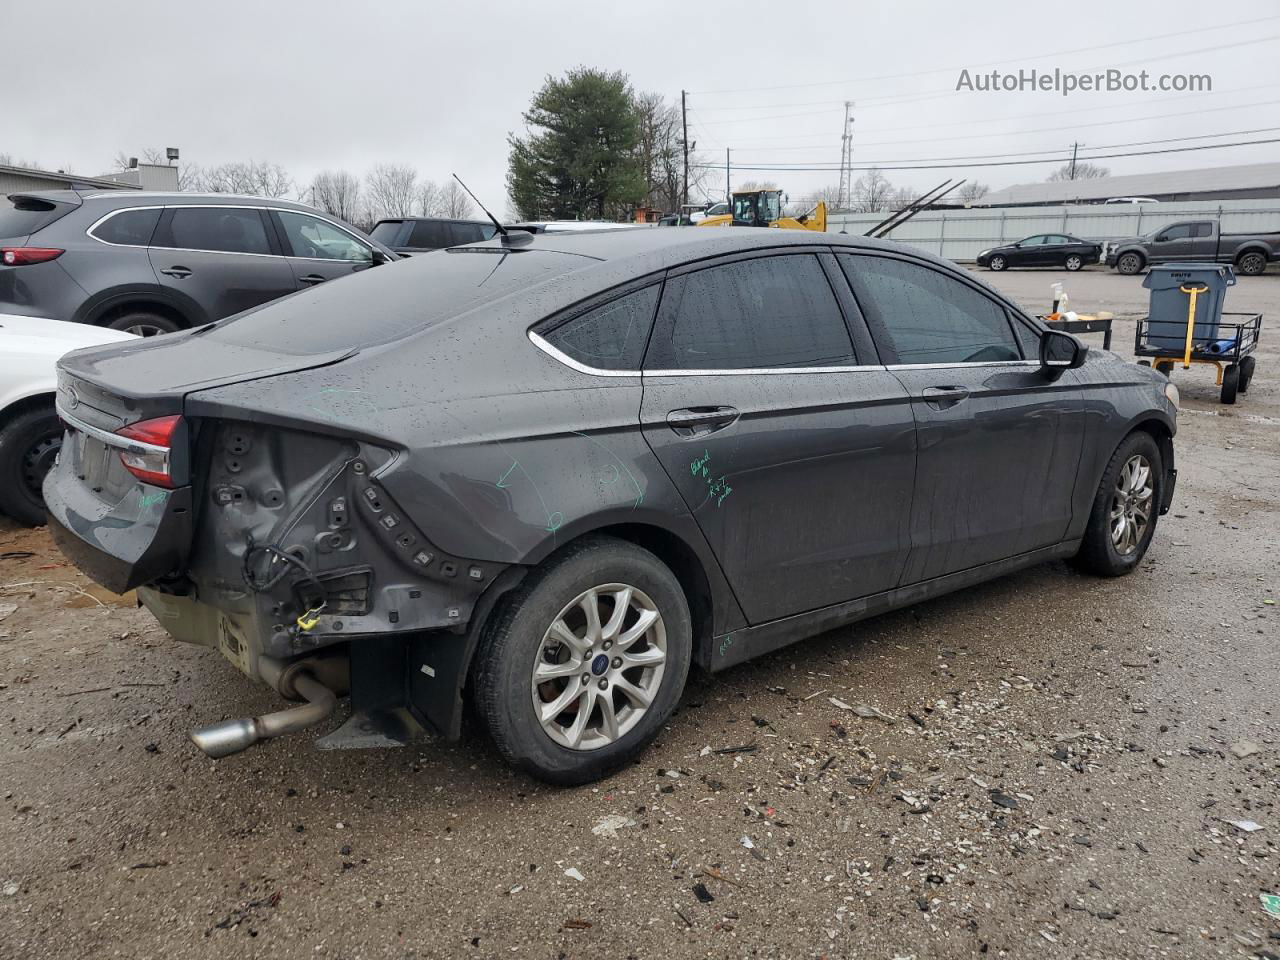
{"x": 232, "y": 736}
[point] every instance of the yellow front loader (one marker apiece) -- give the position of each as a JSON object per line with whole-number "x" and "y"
{"x": 763, "y": 208}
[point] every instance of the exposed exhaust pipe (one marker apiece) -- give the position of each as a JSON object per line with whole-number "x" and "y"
{"x": 232, "y": 736}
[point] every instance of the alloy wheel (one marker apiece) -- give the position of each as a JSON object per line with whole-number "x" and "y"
{"x": 599, "y": 666}
{"x": 1131, "y": 504}
{"x": 997, "y": 263}
{"x": 144, "y": 329}
{"x": 1074, "y": 263}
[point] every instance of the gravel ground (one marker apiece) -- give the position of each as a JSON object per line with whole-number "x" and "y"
{"x": 1055, "y": 774}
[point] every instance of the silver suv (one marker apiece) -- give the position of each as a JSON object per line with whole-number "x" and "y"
{"x": 153, "y": 263}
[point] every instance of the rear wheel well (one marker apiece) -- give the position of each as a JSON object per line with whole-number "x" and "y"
{"x": 34, "y": 402}
{"x": 116, "y": 310}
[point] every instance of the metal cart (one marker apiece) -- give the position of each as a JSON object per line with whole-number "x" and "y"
{"x": 1230, "y": 350}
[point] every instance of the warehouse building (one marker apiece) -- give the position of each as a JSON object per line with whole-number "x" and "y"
{"x": 145, "y": 176}
{"x": 1252, "y": 181}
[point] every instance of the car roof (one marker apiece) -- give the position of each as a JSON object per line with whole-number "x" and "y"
{"x": 155, "y": 198}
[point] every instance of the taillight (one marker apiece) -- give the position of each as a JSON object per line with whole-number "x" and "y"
{"x": 21, "y": 256}
{"x": 151, "y": 463}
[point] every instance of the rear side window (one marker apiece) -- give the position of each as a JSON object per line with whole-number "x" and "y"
{"x": 1202, "y": 229}
{"x": 927, "y": 316}
{"x": 129, "y": 227}
{"x": 25, "y": 215}
{"x": 611, "y": 336}
{"x": 769, "y": 312}
{"x": 469, "y": 233}
{"x": 430, "y": 235}
{"x": 218, "y": 229}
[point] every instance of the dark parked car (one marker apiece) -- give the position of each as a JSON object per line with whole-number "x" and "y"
{"x": 410, "y": 235}
{"x": 154, "y": 263}
{"x": 551, "y": 473}
{"x": 1195, "y": 241}
{"x": 1042, "y": 250}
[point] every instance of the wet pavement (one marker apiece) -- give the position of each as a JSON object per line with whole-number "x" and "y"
{"x": 1064, "y": 767}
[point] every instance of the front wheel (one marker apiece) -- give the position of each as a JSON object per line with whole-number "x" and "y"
{"x": 1125, "y": 509}
{"x": 583, "y": 664}
{"x": 1129, "y": 264}
{"x": 1074, "y": 262}
{"x": 143, "y": 323}
{"x": 1246, "y": 373}
{"x": 998, "y": 263}
{"x": 1230, "y": 384}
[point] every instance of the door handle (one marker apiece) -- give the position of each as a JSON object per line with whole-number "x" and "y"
{"x": 312, "y": 278}
{"x": 695, "y": 421}
{"x": 178, "y": 272}
{"x": 940, "y": 398}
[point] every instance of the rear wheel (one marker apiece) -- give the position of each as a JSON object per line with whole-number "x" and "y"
{"x": 1129, "y": 264}
{"x": 998, "y": 263}
{"x": 1074, "y": 262}
{"x": 1125, "y": 509}
{"x": 1230, "y": 384}
{"x": 585, "y": 662}
{"x": 144, "y": 324}
{"x": 1252, "y": 264}
{"x": 29, "y": 444}
{"x": 1246, "y": 373}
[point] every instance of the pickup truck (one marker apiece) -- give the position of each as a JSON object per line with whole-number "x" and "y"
{"x": 1191, "y": 241}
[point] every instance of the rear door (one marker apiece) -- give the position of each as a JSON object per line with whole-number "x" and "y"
{"x": 793, "y": 448}
{"x": 218, "y": 260}
{"x": 997, "y": 441}
{"x": 318, "y": 250}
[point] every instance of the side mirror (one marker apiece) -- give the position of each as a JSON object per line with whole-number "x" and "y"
{"x": 1060, "y": 351}
{"x": 379, "y": 256}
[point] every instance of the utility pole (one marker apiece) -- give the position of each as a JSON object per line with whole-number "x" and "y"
{"x": 684, "y": 124}
{"x": 1071, "y": 170}
{"x": 846, "y": 158}
{"x": 728, "y": 190}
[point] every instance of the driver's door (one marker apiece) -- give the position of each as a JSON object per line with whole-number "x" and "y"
{"x": 1033, "y": 252}
{"x": 318, "y": 250}
{"x": 997, "y": 441}
{"x": 1173, "y": 243}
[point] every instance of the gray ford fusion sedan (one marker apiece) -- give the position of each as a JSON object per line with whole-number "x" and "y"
{"x": 551, "y": 473}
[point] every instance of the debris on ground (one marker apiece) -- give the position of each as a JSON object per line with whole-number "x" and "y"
{"x": 610, "y": 825}
{"x": 702, "y": 893}
{"x": 573, "y": 873}
{"x": 1244, "y": 748}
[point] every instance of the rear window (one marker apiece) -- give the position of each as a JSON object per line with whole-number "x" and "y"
{"x": 129, "y": 227}
{"x": 387, "y": 231}
{"x": 392, "y": 301}
{"x": 25, "y": 215}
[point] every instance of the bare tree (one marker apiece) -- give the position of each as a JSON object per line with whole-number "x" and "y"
{"x": 8, "y": 160}
{"x": 390, "y": 190}
{"x": 259, "y": 179}
{"x": 661, "y": 153}
{"x": 1080, "y": 170}
{"x": 973, "y": 190}
{"x": 872, "y": 192}
{"x": 903, "y": 197}
{"x": 454, "y": 201}
{"x": 751, "y": 185}
{"x": 337, "y": 192}
{"x": 429, "y": 201}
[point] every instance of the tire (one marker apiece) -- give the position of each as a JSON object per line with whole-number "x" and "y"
{"x": 1099, "y": 553}
{"x": 29, "y": 443}
{"x": 519, "y": 639}
{"x": 1074, "y": 262}
{"x": 1252, "y": 264}
{"x": 144, "y": 324}
{"x": 1247, "y": 366}
{"x": 1130, "y": 264}
{"x": 997, "y": 263}
{"x": 1230, "y": 384}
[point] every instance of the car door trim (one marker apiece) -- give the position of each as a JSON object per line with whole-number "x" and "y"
{"x": 963, "y": 364}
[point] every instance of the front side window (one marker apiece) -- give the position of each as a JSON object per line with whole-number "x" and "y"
{"x": 219, "y": 229}
{"x": 927, "y": 316}
{"x": 769, "y": 312}
{"x": 130, "y": 227}
{"x": 315, "y": 239}
{"x": 1181, "y": 232}
{"x": 611, "y": 336}
{"x": 430, "y": 235}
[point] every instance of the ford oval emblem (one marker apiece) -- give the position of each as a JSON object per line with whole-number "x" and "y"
{"x": 73, "y": 399}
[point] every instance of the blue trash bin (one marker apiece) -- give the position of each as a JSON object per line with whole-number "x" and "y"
{"x": 1167, "y": 331}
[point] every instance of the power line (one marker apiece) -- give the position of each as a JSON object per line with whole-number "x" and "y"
{"x": 1056, "y": 150}
{"x": 991, "y": 63}
{"x": 915, "y": 165}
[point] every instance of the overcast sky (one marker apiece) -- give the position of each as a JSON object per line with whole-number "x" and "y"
{"x": 319, "y": 84}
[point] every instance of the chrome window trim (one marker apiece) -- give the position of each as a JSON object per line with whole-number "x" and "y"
{"x": 963, "y": 364}
{"x": 557, "y": 354}
{"x": 218, "y": 206}
{"x": 110, "y": 439}
{"x": 568, "y": 361}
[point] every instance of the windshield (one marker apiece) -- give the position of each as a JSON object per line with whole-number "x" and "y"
{"x": 744, "y": 208}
